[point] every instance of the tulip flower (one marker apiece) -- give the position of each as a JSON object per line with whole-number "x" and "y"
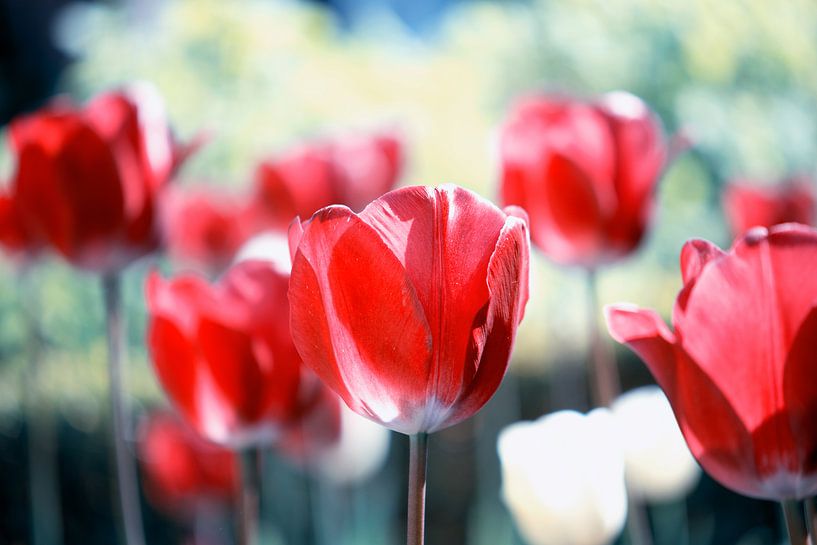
{"x": 563, "y": 478}
{"x": 586, "y": 173}
{"x": 738, "y": 369}
{"x": 223, "y": 353}
{"x": 409, "y": 309}
{"x": 88, "y": 180}
{"x": 205, "y": 228}
{"x": 87, "y": 183}
{"x": 180, "y": 468}
{"x": 659, "y": 466}
{"x": 747, "y": 205}
{"x": 351, "y": 169}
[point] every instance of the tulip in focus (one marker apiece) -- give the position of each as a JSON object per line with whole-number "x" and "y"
{"x": 409, "y": 309}
{"x": 563, "y": 478}
{"x": 180, "y": 468}
{"x": 88, "y": 180}
{"x": 659, "y": 466}
{"x": 224, "y": 354}
{"x": 586, "y": 173}
{"x": 351, "y": 169}
{"x": 739, "y": 367}
{"x": 747, "y": 205}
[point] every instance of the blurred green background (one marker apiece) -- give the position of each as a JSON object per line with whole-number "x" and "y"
{"x": 738, "y": 77}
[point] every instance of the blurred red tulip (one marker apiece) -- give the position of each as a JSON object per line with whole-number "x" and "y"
{"x": 15, "y": 237}
{"x": 351, "y": 170}
{"x": 748, "y": 205}
{"x": 180, "y": 468}
{"x": 586, "y": 173}
{"x": 88, "y": 179}
{"x": 739, "y": 369}
{"x": 409, "y": 309}
{"x": 317, "y": 427}
{"x": 204, "y": 228}
{"x": 224, "y": 354}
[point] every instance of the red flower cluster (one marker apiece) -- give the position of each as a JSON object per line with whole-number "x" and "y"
{"x": 205, "y": 228}
{"x": 585, "y": 172}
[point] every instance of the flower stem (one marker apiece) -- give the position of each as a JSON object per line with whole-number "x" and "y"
{"x": 249, "y": 461}
{"x": 604, "y": 380}
{"x": 811, "y": 512}
{"x": 130, "y": 508}
{"x": 46, "y": 517}
{"x": 418, "y": 454}
{"x": 605, "y": 386}
{"x": 795, "y": 525}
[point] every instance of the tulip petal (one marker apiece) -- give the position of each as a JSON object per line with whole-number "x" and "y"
{"x": 800, "y": 392}
{"x": 714, "y": 432}
{"x": 69, "y": 188}
{"x": 492, "y": 340}
{"x": 294, "y": 234}
{"x": 647, "y": 335}
{"x": 174, "y": 360}
{"x": 445, "y": 238}
{"x": 379, "y": 341}
{"x": 695, "y": 255}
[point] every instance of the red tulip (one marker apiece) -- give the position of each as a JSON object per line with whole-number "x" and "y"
{"x": 15, "y": 237}
{"x": 739, "y": 368}
{"x": 88, "y": 179}
{"x": 748, "y": 206}
{"x": 204, "y": 228}
{"x": 585, "y": 172}
{"x": 180, "y": 468}
{"x": 317, "y": 427}
{"x": 409, "y": 309}
{"x": 224, "y": 354}
{"x": 352, "y": 170}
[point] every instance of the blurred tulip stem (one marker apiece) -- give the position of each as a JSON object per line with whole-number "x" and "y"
{"x": 605, "y": 384}
{"x": 249, "y": 461}
{"x": 795, "y": 523}
{"x": 43, "y": 479}
{"x": 811, "y": 512}
{"x": 131, "y": 513}
{"x": 418, "y": 454}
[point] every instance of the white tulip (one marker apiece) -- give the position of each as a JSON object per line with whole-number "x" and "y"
{"x": 659, "y": 466}
{"x": 563, "y": 478}
{"x": 359, "y": 453}
{"x": 272, "y": 246}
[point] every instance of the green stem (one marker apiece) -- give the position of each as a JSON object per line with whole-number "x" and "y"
{"x": 46, "y": 517}
{"x": 249, "y": 461}
{"x": 418, "y": 454}
{"x": 130, "y": 508}
{"x": 795, "y": 525}
{"x": 604, "y": 380}
{"x": 811, "y": 512}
